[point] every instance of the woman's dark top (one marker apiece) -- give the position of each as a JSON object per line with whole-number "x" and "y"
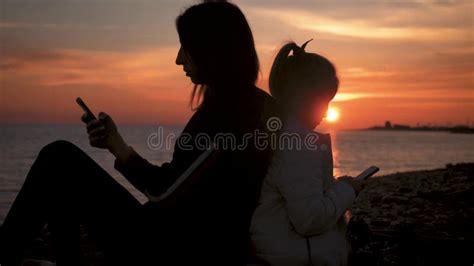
{"x": 212, "y": 222}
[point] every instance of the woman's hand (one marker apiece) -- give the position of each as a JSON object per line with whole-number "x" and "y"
{"x": 103, "y": 134}
{"x": 357, "y": 185}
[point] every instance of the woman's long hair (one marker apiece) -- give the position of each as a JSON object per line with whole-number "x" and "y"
{"x": 220, "y": 43}
{"x": 302, "y": 75}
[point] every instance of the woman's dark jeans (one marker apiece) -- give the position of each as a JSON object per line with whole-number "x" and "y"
{"x": 64, "y": 189}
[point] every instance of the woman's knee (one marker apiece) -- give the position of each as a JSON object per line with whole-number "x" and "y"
{"x": 59, "y": 149}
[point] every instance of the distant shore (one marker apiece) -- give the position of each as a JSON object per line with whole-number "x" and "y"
{"x": 398, "y": 127}
{"x": 459, "y": 130}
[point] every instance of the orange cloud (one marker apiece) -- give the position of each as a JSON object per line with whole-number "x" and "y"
{"x": 130, "y": 80}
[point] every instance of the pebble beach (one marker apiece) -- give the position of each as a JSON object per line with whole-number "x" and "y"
{"x": 416, "y": 218}
{"x": 409, "y": 218}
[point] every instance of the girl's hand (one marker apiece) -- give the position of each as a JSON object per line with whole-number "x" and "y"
{"x": 357, "y": 185}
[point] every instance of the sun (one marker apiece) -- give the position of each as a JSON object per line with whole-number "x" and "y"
{"x": 332, "y": 115}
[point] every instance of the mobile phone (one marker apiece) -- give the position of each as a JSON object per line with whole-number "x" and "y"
{"x": 367, "y": 173}
{"x": 85, "y": 108}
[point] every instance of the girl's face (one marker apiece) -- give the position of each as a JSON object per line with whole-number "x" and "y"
{"x": 310, "y": 109}
{"x": 183, "y": 58}
{"x": 320, "y": 111}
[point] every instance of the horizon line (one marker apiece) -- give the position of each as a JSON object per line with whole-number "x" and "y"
{"x": 2, "y": 123}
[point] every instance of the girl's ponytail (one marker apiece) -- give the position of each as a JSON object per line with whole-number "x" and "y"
{"x": 280, "y": 63}
{"x": 277, "y": 67}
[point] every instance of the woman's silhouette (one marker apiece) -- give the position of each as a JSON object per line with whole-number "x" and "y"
{"x": 298, "y": 219}
{"x": 65, "y": 187}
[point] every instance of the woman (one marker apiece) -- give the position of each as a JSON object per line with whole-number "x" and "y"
{"x": 65, "y": 187}
{"x": 297, "y": 221}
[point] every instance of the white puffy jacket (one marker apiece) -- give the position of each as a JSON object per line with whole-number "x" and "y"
{"x": 301, "y": 207}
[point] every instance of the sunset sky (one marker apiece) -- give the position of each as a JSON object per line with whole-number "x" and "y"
{"x": 405, "y": 61}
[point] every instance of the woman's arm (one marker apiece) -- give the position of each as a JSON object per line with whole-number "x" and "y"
{"x": 144, "y": 175}
{"x": 311, "y": 208}
{"x": 139, "y": 172}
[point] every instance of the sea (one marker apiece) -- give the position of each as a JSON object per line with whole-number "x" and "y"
{"x": 353, "y": 151}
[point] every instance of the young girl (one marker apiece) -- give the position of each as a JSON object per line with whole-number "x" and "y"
{"x": 297, "y": 221}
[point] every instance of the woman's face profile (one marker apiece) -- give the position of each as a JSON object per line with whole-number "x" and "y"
{"x": 184, "y": 59}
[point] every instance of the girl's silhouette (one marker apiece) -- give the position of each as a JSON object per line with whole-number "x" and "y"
{"x": 298, "y": 220}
